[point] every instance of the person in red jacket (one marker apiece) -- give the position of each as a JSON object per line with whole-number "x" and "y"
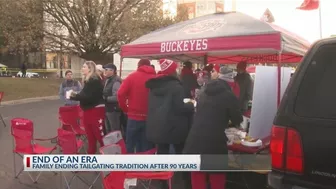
{"x": 133, "y": 100}
{"x": 225, "y": 73}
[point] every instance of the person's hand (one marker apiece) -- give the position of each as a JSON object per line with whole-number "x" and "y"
{"x": 192, "y": 102}
{"x": 73, "y": 94}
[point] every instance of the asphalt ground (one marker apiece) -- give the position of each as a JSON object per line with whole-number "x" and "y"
{"x": 45, "y": 118}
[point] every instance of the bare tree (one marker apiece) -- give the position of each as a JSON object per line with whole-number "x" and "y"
{"x": 21, "y": 25}
{"x": 93, "y": 28}
{"x": 149, "y": 17}
{"x": 90, "y": 28}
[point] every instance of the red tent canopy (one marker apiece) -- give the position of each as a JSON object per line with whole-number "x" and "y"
{"x": 222, "y": 38}
{"x": 251, "y": 69}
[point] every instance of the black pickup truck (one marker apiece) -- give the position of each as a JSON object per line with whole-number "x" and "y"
{"x": 303, "y": 143}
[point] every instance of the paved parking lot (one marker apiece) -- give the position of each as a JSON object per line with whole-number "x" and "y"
{"x": 44, "y": 116}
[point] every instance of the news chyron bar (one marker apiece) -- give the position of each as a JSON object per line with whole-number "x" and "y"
{"x": 104, "y": 163}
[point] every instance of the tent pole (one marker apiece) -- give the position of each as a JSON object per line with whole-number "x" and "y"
{"x": 205, "y": 61}
{"x": 120, "y": 65}
{"x": 279, "y": 78}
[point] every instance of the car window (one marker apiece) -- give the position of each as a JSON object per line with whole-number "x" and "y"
{"x": 316, "y": 97}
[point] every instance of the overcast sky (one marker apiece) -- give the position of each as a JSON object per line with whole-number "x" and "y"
{"x": 303, "y": 23}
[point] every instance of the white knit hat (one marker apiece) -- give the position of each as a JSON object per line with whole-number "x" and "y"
{"x": 226, "y": 72}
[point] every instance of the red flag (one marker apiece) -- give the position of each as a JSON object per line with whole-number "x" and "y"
{"x": 309, "y": 5}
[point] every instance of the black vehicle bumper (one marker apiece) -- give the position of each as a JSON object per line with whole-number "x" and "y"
{"x": 275, "y": 181}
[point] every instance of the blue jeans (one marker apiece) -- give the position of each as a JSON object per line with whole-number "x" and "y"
{"x": 136, "y": 137}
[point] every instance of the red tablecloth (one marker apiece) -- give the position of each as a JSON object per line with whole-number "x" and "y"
{"x": 250, "y": 150}
{"x": 248, "y": 114}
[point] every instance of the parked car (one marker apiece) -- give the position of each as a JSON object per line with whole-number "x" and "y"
{"x": 28, "y": 74}
{"x": 303, "y": 142}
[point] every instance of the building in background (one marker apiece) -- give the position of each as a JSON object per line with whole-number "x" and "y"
{"x": 230, "y": 5}
{"x": 169, "y": 8}
{"x": 198, "y": 8}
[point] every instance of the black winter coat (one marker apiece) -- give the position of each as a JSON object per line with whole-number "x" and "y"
{"x": 168, "y": 118}
{"x": 91, "y": 95}
{"x": 245, "y": 83}
{"x": 216, "y": 106}
{"x": 189, "y": 83}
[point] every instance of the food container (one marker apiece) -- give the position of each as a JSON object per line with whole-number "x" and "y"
{"x": 233, "y": 135}
{"x": 231, "y": 138}
{"x": 186, "y": 100}
{"x": 257, "y": 143}
{"x": 68, "y": 94}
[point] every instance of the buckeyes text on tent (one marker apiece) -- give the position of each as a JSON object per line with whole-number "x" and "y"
{"x": 184, "y": 46}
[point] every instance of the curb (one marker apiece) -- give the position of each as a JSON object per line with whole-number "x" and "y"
{"x": 28, "y": 100}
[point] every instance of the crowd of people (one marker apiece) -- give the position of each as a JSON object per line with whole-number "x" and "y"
{"x": 188, "y": 112}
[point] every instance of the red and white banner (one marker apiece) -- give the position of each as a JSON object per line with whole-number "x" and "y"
{"x": 309, "y": 5}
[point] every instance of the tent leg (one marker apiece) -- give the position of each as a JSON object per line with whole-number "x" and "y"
{"x": 205, "y": 61}
{"x": 120, "y": 65}
{"x": 279, "y": 78}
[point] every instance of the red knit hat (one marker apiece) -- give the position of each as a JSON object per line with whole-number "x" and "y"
{"x": 167, "y": 66}
{"x": 216, "y": 67}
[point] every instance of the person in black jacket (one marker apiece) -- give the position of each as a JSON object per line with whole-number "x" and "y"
{"x": 215, "y": 108}
{"x": 168, "y": 115}
{"x": 189, "y": 80}
{"x": 245, "y": 83}
{"x": 168, "y": 118}
{"x": 89, "y": 98}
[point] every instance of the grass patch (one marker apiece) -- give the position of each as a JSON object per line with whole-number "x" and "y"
{"x": 21, "y": 88}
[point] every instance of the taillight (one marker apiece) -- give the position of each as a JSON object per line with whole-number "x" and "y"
{"x": 286, "y": 150}
{"x": 294, "y": 152}
{"x": 277, "y": 147}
